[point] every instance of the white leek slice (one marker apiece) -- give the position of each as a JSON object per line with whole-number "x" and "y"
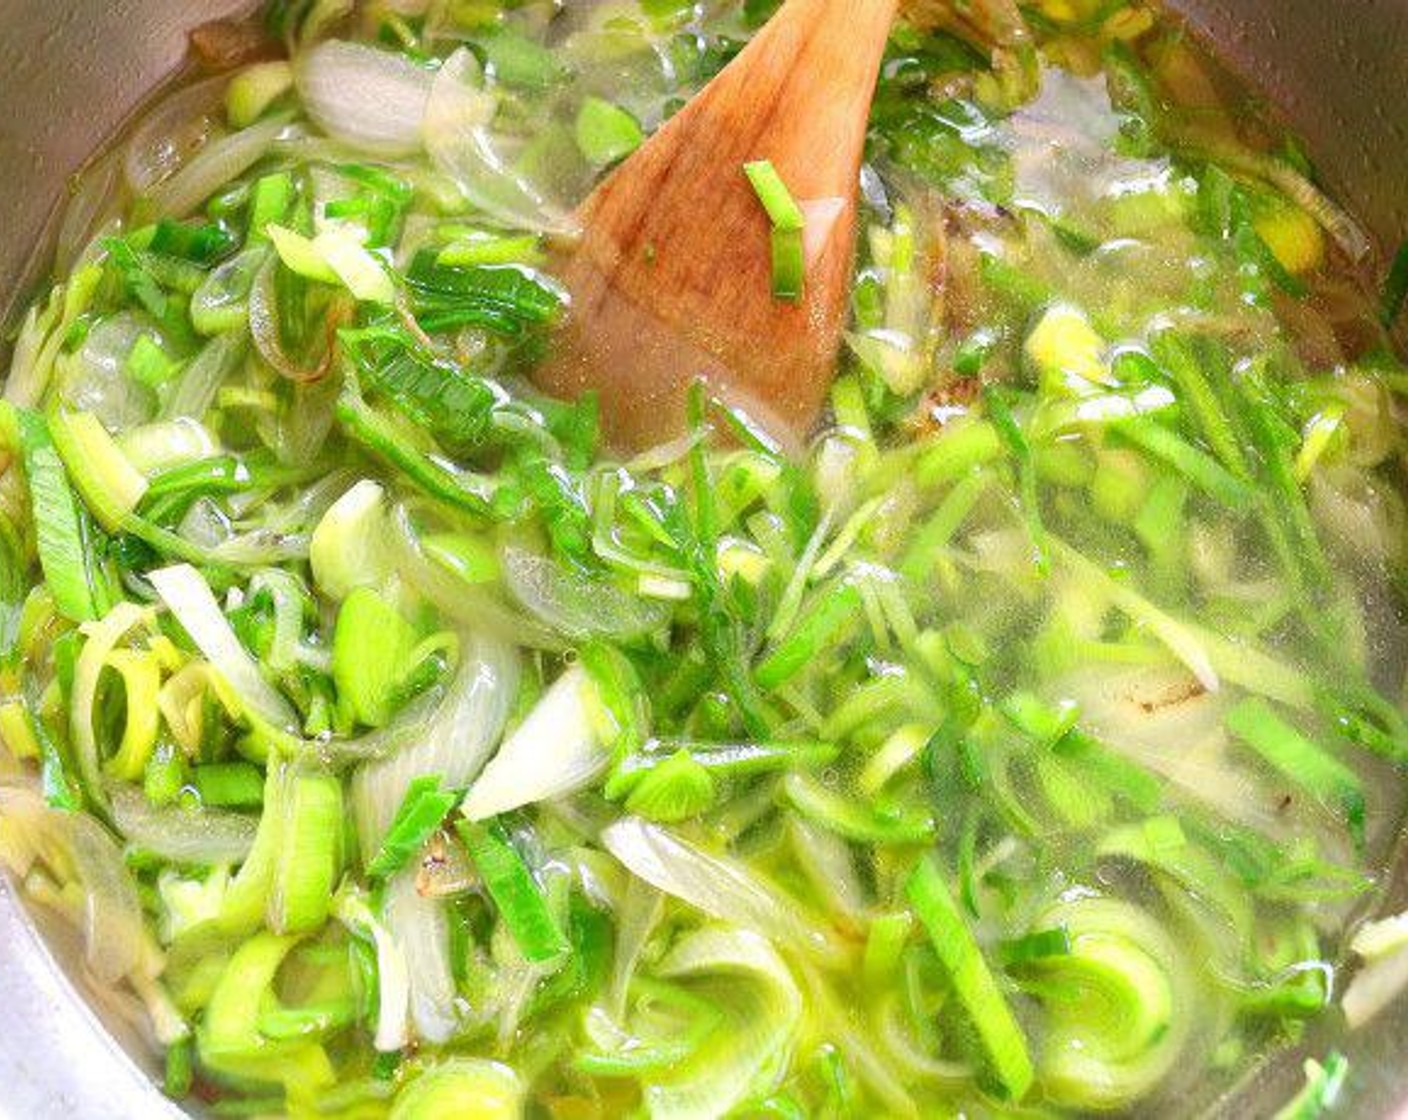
{"x": 470, "y": 1088}
{"x": 360, "y": 272}
{"x": 189, "y": 598}
{"x": 167, "y": 443}
{"x": 109, "y": 483}
{"x": 453, "y": 742}
{"x": 392, "y": 975}
{"x": 347, "y": 549}
{"x": 720, "y": 886}
{"x": 558, "y": 748}
{"x": 334, "y": 256}
{"x": 115, "y": 940}
{"x": 1383, "y": 945}
{"x": 747, "y": 1053}
{"x": 1379, "y": 939}
{"x": 100, "y": 638}
{"x": 300, "y": 255}
{"x": 422, "y": 931}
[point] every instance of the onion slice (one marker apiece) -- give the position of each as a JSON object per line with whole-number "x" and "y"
{"x": 576, "y": 604}
{"x": 372, "y": 100}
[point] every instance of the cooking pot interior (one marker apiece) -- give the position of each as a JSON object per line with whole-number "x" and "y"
{"x": 70, "y": 75}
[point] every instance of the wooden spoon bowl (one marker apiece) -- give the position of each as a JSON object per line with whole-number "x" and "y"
{"x": 671, "y": 278}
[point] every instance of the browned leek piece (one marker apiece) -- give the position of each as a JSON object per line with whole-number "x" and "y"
{"x": 671, "y": 277}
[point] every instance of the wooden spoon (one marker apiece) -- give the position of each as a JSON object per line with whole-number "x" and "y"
{"x": 671, "y": 279}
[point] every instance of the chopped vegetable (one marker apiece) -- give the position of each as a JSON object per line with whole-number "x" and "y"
{"x": 1025, "y": 738}
{"x": 788, "y": 225}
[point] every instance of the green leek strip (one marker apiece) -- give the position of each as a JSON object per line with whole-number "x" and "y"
{"x": 379, "y": 436}
{"x": 371, "y": 655}
{"x": 1111, "y": 771}
{"x": 510, "y": 300}
{"x": 475, "y": 247}
{"x": 517, "y": 895}
{"x": 1301, "y": 761}
{"x": 179, "y": 1076}
{"x": 935, "y": 534}
{"x": 884, "y": 947}
{"x": 1200, "y": 468}
{"x": 309, "y": 859}
{"x": 999, "y": 408}
{"x": 722, "y": 760}
{"x": 605, "y": 132}
{"x": 677, "y": 789}
{"x": 772, "y": 192}
{"x": 822, "y": 627}
{"x": 1017, "y": 285}
{"x": 864, "y": 822}
{"x": 57, "y": 781}
{"x": 147, "y": 363}
{"x": 269, "y": 200}
{"x": 635, "y": 1060}
{"x": 1000, "y": 1038}
{"x": 1045, "y": 723}
{"x": 789, "y": 264}
{"x": 65, "y": 548}
{"x": 229, "y": 785}
{"x": 422, "y": 811}
{"x": 110, "y": 486}
{"x": 1037, "y": 945}
{"x": 1178, "y": 357}
{"x": 1366, "y": 719}
{"x": 1323, "y": 1085}
{"x": 955, "y": 452}
{"x": 620, "y": 692}
{"x": 1078, "y": 804}
{"x": 1302, "y": 555}
{"x": 283, "y": 1023}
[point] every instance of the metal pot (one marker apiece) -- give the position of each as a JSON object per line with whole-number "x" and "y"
{"x": 71, "y": 73}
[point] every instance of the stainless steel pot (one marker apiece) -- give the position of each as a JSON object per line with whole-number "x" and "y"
{"x": 71, "y": 72}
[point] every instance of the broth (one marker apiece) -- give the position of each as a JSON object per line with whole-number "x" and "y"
{"x": 1028, "y": 743}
